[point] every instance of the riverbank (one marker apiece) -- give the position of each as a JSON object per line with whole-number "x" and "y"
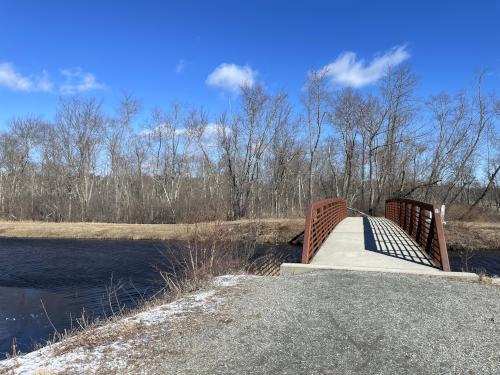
{"x": 264, "y": 230}
{"x": 264, "y": 325}
{"x": 459, "y": 235}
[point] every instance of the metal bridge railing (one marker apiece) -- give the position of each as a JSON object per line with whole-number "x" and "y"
{"x": 322, "y": 217}
{"x": 422, "y": 221}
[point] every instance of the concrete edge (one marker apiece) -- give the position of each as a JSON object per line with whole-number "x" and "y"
{"x": 288, "y": 269}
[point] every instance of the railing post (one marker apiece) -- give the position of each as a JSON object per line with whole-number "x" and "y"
{"x": 404, "y": 216}
{"x": 445, "y": 263}
{"x": 307, "y": 234}
{"x": 414, "y": 230}
{"x": 421, "y": 217}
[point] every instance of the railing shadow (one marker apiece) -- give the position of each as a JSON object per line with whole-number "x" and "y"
{"x": 384, "y": 237}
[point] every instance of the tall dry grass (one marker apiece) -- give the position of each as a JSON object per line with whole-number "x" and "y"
{"x": 209, "y": 252}
{"x": 462, "y": 212}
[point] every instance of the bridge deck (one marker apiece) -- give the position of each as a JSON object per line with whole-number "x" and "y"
{"x": 372, "y": 243}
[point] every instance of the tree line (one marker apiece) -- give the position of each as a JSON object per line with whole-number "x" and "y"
{"x": 262, "y": 158}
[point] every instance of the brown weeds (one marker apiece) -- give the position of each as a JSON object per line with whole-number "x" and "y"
{"x": 208, "y": 253}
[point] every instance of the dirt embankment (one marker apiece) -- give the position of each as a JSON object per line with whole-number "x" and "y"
{"x": 265, "y": 230}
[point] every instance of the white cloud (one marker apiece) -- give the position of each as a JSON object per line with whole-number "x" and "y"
{"x": 347, "y": 71}
{"x": 79, "y": 81}
{"x": 11, "y": 79}
{"x": 181, "y": 65}
{"x": 231, "y": 77}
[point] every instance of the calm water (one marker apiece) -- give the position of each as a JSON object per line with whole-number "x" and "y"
{"x": 487, "y": 261}
{"x": 68, "y": 276}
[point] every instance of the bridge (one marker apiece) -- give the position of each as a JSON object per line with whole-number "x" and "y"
{"x": 408, "y": 239}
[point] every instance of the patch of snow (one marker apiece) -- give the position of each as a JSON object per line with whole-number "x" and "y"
{"x": 85, "y": 360}
{"x": 78, "y": 360}
{"x": 231, "y": 280}
{"x": 202, "y": 296}
{"x": 162, "y": 313}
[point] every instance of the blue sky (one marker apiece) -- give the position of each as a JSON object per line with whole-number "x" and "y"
{"x": 196, "y": 52}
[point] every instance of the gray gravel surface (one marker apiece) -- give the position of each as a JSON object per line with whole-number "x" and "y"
{"x": 340, "y": 322}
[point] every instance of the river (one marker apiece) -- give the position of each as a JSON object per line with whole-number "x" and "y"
{"x": 69, "y": 276}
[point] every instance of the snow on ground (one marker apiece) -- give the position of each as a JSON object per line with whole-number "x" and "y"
{"x": 231, "y": 280}
{"x": 107, "y": 345}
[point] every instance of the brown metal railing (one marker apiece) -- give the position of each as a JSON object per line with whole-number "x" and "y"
{"x": 422, "y": 221}
{"x": 322, "y": 217}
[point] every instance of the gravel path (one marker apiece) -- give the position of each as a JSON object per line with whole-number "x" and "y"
{"x": 334, "y": 322}
{"x": 345, "y": 323}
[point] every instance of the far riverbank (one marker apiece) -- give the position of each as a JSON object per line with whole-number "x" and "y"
{"x": 460, "y": 236}
{"x": 264, "y": 230}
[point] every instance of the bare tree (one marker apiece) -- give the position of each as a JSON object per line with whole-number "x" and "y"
{"x": 262, "y": 158}
{"x": 315, "y": 99}
{"x": 79, "y": 131}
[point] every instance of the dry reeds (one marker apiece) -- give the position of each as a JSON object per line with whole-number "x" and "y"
{"x": 209, "y": 252}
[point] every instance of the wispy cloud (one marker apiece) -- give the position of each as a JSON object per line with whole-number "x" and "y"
{"x": 75, "y": 81}
{"x": 11, "y": 79}
{"x": 181, "y": 65}
{"x": 347, "y": 71}
{"x": 78, "y": 81}
{"x": 231, "y": 77}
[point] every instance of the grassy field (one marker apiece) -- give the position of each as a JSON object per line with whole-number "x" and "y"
{"x": 461, "y": 235}
{"x": 266, "y": 230}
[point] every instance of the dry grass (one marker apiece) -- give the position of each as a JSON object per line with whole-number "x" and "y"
{"x": 215, "y": 251}
{"x": 463, "y": 212}
{"x": 95, "y": 335}
{"x": 44, "y": 371}
{"x": 268, "y": 230}
{"x": 483, "y": 279}
{"x": 472, "y": 235}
